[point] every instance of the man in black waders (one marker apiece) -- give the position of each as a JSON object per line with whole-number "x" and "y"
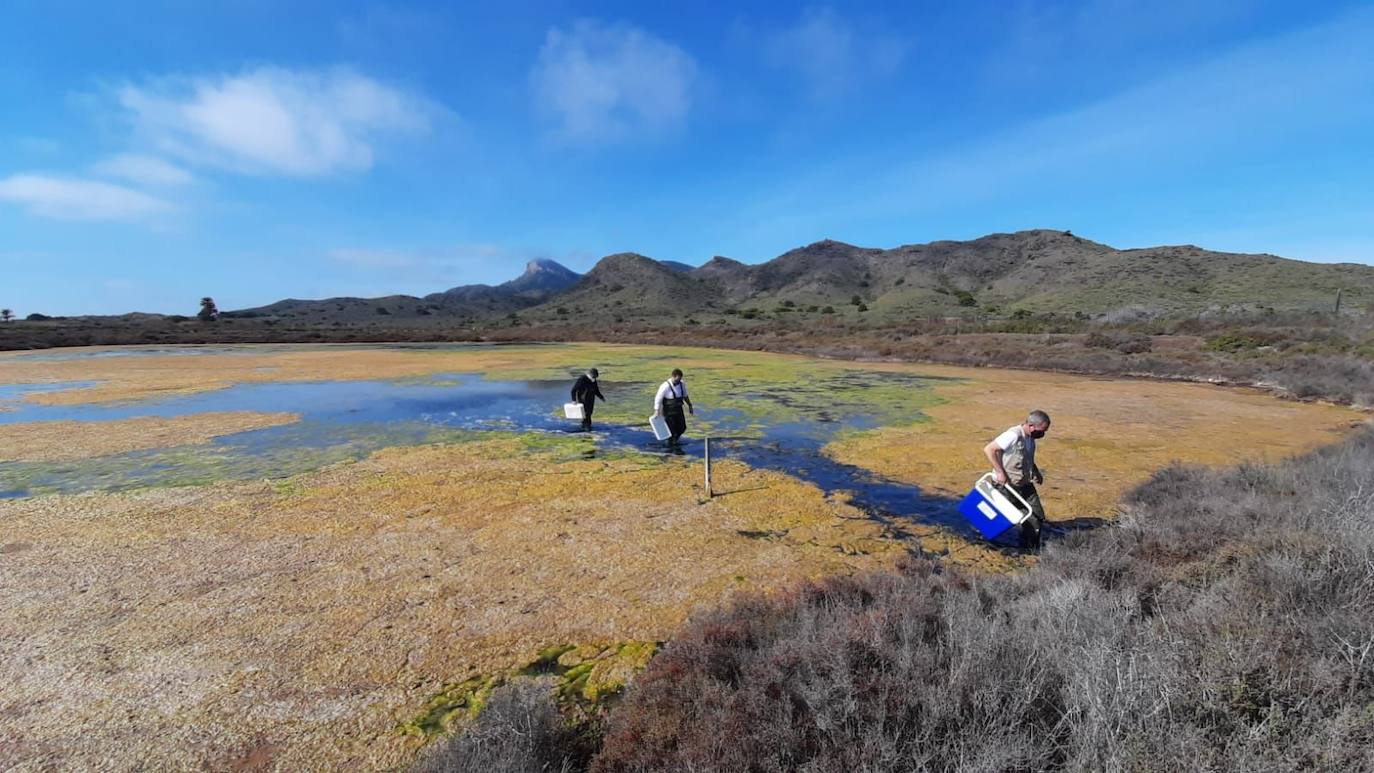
{"x": 585, "y": 390}
{"x": 1012, "y": 455}
{"x": 668, "y": 404}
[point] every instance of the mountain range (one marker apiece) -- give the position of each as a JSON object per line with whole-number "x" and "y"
{"x": 1036, "y": 271}
{"x": 541, "y": 280}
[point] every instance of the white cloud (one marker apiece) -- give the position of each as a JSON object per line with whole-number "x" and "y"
{"x": 77, "y": 199}
{"x": 146, "y": 170}
{"x": 275, "y": 121}
{"x": 832, "y": 57}
{"x": 606, "y": 82}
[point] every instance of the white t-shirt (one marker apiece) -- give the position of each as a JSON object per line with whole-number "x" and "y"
{"x": 667, "y": 390}
{"x": 1018, "y": 463}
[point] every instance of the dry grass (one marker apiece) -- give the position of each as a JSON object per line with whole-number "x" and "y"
{"x": 1108, "y": 435}
{"x": 303, "y": 621}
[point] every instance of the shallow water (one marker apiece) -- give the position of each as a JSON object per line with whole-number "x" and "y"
{"x": 344, "y": 420}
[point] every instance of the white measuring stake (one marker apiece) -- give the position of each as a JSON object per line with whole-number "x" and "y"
{"x": 709, "y": 493}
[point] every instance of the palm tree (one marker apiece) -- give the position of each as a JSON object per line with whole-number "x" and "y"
{"x": 208, "y": 312}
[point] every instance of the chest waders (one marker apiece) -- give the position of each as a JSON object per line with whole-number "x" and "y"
{"x": 672, "y": 413}
{"x": 1020, "y": 467}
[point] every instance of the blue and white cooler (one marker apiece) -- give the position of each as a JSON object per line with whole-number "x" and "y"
{"x": 989, "y": 508}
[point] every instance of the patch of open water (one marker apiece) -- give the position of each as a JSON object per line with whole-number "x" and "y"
{"x": 351, "y": 419}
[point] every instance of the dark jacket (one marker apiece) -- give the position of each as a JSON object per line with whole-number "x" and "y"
{"x": 585, "y": 390}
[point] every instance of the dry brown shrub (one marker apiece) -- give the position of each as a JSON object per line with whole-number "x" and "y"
{"x": 1226, "y": 623}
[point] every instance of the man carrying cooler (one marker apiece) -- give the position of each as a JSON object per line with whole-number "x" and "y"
{"x": 585, "y": 391}
{"x": 1012, "y": 455}
{"x": 668, "y": 404}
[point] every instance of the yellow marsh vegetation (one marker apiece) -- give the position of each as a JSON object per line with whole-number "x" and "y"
{"x": 320, "y": 616}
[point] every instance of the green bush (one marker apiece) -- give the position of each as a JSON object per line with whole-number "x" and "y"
{"x": 1231, "y": 343}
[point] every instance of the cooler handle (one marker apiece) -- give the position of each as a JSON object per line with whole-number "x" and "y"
{"x": 991, "y": 482}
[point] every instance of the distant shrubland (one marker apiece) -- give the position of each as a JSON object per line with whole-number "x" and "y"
{"x": 1296, "y": 354}
{"x": 1225, "y": 622}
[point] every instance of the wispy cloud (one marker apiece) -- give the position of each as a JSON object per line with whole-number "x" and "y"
{"x": 145, "y": 170}
{"x": 831, "y": 55}
{"x": 80, "y": 199}
{"x": 1042, "y": 36}
{"x": 603, "y": 82}
{"x": 1198, "y": 127}
{"x": 275, "y": 121}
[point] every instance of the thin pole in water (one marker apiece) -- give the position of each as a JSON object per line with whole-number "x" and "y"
{"x": 709, "y": 493}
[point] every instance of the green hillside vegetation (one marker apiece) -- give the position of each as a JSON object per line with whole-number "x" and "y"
{"x": 1001, "y": 275}
{"x": 627, "y": 284}
{"x": 1039, "y": 273}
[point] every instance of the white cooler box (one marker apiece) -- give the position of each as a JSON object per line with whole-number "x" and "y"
{"x": 660, "y": 427}
{"x": 573, "y": 411}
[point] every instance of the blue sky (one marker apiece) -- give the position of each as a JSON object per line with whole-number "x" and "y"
{"x": 155, "y": 152}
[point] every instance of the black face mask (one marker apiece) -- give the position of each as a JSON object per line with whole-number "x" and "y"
{"x": 1037, "y": 433}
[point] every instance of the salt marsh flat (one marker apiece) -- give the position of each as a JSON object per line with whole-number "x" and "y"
{"x": 295, "y": 554}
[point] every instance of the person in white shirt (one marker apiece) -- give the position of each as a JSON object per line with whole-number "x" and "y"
{"x": 668, "y": 402}
{"x": 1012, "y": 454}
